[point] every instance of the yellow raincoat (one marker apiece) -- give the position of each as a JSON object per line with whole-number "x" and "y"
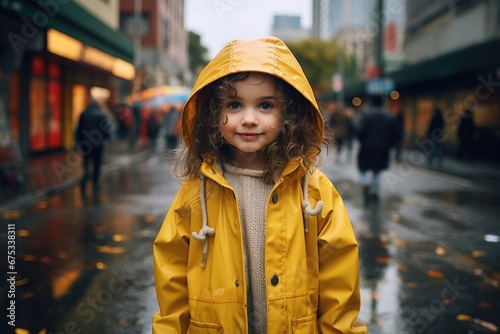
{"x": 311, "y": 258}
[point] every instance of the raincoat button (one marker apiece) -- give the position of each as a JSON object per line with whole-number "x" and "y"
{"x": 237, "y": 283}
{"x": 275, "y": 198}
{"x": 274, "y": 280}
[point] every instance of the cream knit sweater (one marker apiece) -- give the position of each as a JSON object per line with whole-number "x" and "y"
{"x": 252, "y": 195}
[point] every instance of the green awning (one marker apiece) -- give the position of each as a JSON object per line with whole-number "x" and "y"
{"x": 72, "y": 19}
{"x": 481, "y": 56}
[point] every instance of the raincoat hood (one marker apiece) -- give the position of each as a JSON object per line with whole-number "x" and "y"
{"x": 267, "y": 55}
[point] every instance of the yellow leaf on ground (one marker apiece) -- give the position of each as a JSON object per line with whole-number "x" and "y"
{"x": 435, "y": 274}
{"x": 382, "y": 260}
{"x": 484, "y": 304}
{"x": 477, "y": 253}
{"x": 440, "y": 250}
{"x": 411, "y": 285}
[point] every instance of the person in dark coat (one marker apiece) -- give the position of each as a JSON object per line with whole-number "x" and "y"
{"x": 377, "y": 132}
{"x": 466, "y": 129}
{"x": 94, "y": 127}
{"x": 171, "y": 125}
{"x": 435, "y": 135}
{"x": 342, "y": 126}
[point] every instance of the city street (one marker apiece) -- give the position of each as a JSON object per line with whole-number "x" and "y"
{"x": 429, "y": 252}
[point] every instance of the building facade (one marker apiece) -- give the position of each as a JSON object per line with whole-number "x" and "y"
{"x": 452, "y": 62}
{"x": 162, "y": 40}
{"x": 53, "y": 54}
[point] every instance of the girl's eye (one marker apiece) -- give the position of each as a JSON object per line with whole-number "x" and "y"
{"x": 266, "y": 106}
{"x": 233, "y": 105}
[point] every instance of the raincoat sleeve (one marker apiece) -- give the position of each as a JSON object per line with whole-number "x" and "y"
{"x": 170, "y": 257}
{"x": 339, "y": 295}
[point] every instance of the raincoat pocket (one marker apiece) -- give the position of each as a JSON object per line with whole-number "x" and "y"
{"x": 196, "y": 327}
{"x": 306, "y": 325}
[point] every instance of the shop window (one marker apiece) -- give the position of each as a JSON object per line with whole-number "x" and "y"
{"x": 45, "y": 106}
{"x": 13, "y": 106}
{"x": 37, "y": 66}
{"x": 54, "y": 71}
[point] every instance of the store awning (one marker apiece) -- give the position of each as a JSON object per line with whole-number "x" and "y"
{"x": 72, "y": 19}
{"x": 478, "y": 57}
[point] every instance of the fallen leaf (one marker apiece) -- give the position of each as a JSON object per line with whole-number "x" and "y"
{"x": 448, "y": 301}
{"x": 398, "y": 243}
{"x": 119, "y": 237}
{"x": 463, "y": 317}
{"x": 477, "y": 253}
{"x": 22, "y": 282}
{"x": 100, "y": 265}
{"x": 111, "y": 250}
{"x": 11, "y": 214}
{"x": 440, "y": 250}
{"x": 484, "y": 305}
{"x": 435, "y": 274}
{"x": 382, "y": 260}
{"x": 23, "y": 233}
{"x": 29, "y": 258}
{"x": 149, "y": 218}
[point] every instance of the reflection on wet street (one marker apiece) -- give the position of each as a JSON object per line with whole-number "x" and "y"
{"x": 429, "y": 254}
{"x": 85, "y": 265}
{"x": 429, "y": 257}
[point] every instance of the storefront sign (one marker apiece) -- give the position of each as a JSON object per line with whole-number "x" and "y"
{"x": 71, "y": 48}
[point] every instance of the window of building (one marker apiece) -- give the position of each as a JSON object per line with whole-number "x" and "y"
{"x": 133, "y": 26}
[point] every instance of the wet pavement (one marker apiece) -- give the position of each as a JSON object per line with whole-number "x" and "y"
{"x": 429, "y": 248}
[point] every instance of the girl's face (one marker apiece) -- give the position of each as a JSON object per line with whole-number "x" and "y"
{"x": 252, "y": 119}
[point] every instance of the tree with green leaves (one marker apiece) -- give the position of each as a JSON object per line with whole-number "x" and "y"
{"x": 318, "y": 58}
{"x": 197, "y": 54}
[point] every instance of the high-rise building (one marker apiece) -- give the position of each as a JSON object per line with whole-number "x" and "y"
{"x": 331, "y": 16}
{"x": 288, "y": 28}
{"x": 355, "y": 23}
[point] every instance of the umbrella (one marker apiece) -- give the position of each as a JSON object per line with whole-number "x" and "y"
{"x": 161, "y": 96}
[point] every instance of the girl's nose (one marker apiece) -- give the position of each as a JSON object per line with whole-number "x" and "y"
{"x": 249, "y": 117}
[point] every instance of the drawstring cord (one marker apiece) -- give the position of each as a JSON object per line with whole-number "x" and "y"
{"x": 308, "y": 210}
{"x": 205, "y": 229}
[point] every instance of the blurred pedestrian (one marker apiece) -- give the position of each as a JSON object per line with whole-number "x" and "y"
{"x": 466, "y": 131}
{"x": 152, "y": 127}
{"x": 123, "y": 113}
{"x": 135, "y": 130}
{"x": 171, "y": 126}
{"x": 94, "y": 128}
{"x": 377, "y": 132}
{"x": 257, "y": 235}
{"x": 435, "y": 133}
{"x": 399, "y": 118}
{"x": 342, "y": 126}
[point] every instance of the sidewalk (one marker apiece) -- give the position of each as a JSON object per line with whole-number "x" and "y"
{"x": 55, "y": 172}
{"x": 479, "y": 172}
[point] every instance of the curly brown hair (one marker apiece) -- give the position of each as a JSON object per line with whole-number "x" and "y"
{"x": 299, "y": 137}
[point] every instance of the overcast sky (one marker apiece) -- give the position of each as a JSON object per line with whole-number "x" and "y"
{"x": 220, "y": 21}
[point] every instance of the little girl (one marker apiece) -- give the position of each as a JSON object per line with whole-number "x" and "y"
{"x": 257, "y": 240}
